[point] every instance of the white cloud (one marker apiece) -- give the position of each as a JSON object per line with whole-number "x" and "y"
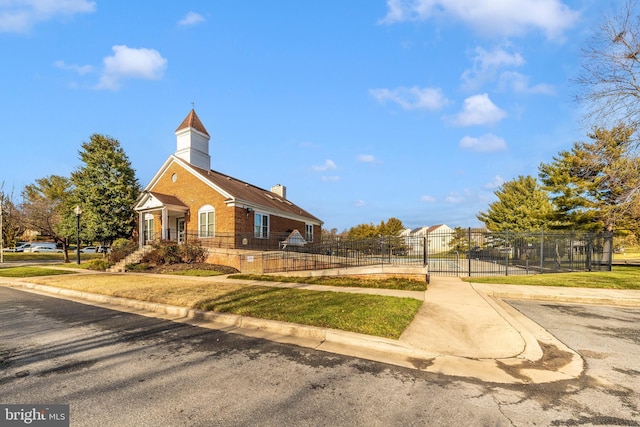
{"x": 495, "y": 183}
{"x": 486, "y": 65}
{"x": 428, "y": 199}
{"x": 490, "y": 17}
{"x": 485, "y": 143}
{"x": 413, "y": 98}
{"x": 20, "y": 16}
{"x": 80, "y": 69}
{"x": 190, "y": 19}
{"x": 333, "y": 178}
{"x": 454, "y": 198}
{"x": 360, "y": 203}
{"x": 366, "y": 158}
{"x": 129, "y": 63}
{"x": 328, "y": 165}
{"x": 479, "y": 110}
{"x": 520, "y": 83}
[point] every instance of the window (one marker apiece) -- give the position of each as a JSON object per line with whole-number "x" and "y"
{"x": 308, "y": 232}
{"x": 261, "y": 226}
{"x": 148, "y": 227}
{"x": 206, "y": 221}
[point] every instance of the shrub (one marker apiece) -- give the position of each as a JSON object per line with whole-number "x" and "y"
{"x": 171, "y": 253}
{"x": 98, "y": 264}
{"x": 121, "y": 248}
{"x": 165, "y": 253}
{"x": 193, "y": 252}
{"x": 137, "y": 267}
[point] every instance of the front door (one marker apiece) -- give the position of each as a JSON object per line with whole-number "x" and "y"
{"x": 180, "y": 227}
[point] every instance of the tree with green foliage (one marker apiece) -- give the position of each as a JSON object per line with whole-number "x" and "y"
{"x": 46, "y": 209}
{"x": 106, "y": 190}
{"x": 596, "y": 184}
{"x": 459, "y": 240}
{"x": 363, "y": 231}
{"x": 522, "y": 205}
{"x": 392, "y": 227}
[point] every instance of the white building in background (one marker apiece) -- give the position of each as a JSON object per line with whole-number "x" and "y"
{"x": 438, "y": 238}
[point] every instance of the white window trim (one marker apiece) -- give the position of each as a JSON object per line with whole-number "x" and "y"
{"x": 207, "y": 209}
{"x": 261, "y": 234}
{"x": 149, "y": 232}
{"x": 308, "y": 232}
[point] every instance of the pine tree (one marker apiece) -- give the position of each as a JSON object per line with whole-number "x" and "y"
{"x": 521, "y": 206}
{"x": 106, "y": 189}
{"x": 595, "y": 185}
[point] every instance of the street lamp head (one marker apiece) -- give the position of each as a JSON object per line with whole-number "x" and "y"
{"x": 77, "y": 210}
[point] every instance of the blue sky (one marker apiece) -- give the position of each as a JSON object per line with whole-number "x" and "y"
{"x": 363, "y": 109}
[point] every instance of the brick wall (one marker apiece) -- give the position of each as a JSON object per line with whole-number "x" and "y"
{"x": 194, "y": 193}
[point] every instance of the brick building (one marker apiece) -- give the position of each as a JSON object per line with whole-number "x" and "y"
{"x": 187, "y": 200}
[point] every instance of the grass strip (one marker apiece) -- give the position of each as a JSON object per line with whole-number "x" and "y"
{"x": 195, "y": 273}
{"x": 621, "y": 277}
{"x": 367, "y": 314}
{"x": 387, "y": 283}
{"x": 31, "y": 272}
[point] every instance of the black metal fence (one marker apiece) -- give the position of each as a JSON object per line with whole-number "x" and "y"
{"x": 459, "y": 252}
{"x": 477, "y": 252}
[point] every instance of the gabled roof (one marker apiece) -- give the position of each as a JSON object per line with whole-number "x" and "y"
{"x": 167, "y": 199}
{"x": 237, "y": 192}
{"x": 153, "y": 200}
{"x": 192, "y": 121}
{"x": 246, "y": 193}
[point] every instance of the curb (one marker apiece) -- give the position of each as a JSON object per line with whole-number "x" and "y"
{"x": 521, "y": 369}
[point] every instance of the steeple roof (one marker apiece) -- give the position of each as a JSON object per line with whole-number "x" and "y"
{"x": 192, "y": 121}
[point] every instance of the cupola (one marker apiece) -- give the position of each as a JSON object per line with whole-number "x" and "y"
{"x": 193, "y": 142}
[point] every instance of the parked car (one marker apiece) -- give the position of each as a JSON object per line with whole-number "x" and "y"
{"x": 45, "y": 248}
{"x": 14, "y": 248}
{"x": 25, "y": 247}
{"x": 95, "y": 249}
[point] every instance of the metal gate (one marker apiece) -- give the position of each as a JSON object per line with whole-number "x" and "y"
{"x": 478, "y": 252}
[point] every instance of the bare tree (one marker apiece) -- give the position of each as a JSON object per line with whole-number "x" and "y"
{"x": 609, "y": 80}
{"x": 12, "y": 217}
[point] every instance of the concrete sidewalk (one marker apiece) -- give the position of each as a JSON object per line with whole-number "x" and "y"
{"x": 462, "y": 329}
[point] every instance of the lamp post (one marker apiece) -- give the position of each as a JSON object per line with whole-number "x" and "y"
{"x": 78, "y": 211}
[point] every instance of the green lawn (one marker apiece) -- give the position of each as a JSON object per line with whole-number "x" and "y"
{"x": 621, "y": 277}
{"x": 30, "y": 272}
{"x": 56, "y": 256}
{"x": 367, "y": 314}
{"x": 389, "y": 283}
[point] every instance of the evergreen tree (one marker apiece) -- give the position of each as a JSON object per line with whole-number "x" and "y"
{"x": 392, "y": 227}
{"x": 106, "y": 189}
{"x": 595, "y": 185}
{"x": 521, "y": 206}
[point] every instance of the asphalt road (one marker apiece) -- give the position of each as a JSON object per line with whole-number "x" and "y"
{"x": 121, "y": 369}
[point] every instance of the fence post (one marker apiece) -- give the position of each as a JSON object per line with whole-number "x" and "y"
{"x": 425, "y": 251}
{"x": 542, "y": 250}
{"x": 469, "y": 251}
{"x": 610, "y": 238}
{"x": 506, "y": 253}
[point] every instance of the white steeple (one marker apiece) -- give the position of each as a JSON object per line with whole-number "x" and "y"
{"x": 193, "y": 142}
